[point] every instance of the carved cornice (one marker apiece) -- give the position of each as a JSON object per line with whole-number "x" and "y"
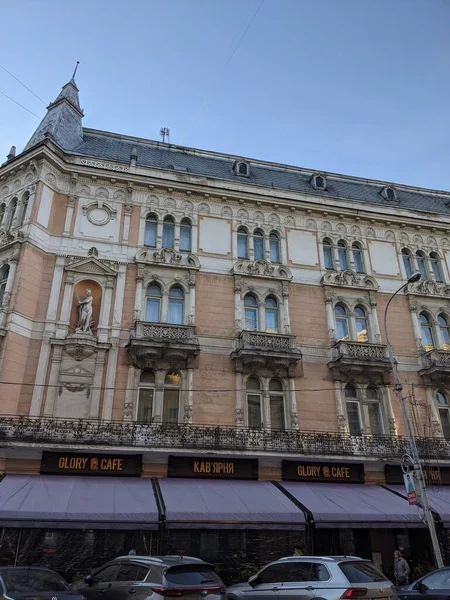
{"x": 349, "y": 279}
{"x": 90, "y": 266}
{"x": 427, "y": 287}
{"x": 261, "y": 268}
{"x": 167, "y": 257}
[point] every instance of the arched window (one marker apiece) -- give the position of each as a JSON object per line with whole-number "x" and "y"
{"x": 254, "y": 412}
{"x": 185, "y": 235}
{"x": 444, "y": 330}
{"x": 427, "y": 332}
{"x": 168, "y": 240}
{"x": 372, "y": 403}
{"x": 176, "y": 306}
{"x": 342, "y": 254}
{"x": 272, "y": 318}
{"x": 353, "y": 410}
{"x": 444, "y": 413}
{"x": 407, "y": 262}
{"x": 2, "y": 213}
{"x": 258, "y": 244}
{"x": 276, "y": 399}
{"x": 171, "y": 401}
{"x": 251, "y": 312}
{"x": 328, "y": 254}
{"x": 4, "y": 272}
{"x": 12, "y": 212}
{"x": 421, "y": 264}
{"x": 436, "y": 266}
{"x": 243, "y": 169}
{"x": 341, "y": 322}
{"x": 358, "y": 258}
{"x": 153, "y": 303}
{"x": 25, "y": 200}
{"x": 274, "y": 242}
{"x": 146, "y": 397}
{"x": 242, "y": 240}
{"x": 151, "y": 226}
{"x": 362, "y": 327}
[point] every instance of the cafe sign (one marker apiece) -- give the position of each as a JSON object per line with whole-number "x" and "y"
{"x": 68, "y": 463}
{"x": 213, "y": 468}
{"x": 293, "y": 470}
{"x": 433, "y": 475}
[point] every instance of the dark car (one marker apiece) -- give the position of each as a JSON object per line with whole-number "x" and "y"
{"x": 433, "y": 586}
{"x": 33, "y": 583}
{"x": 153, "y": 577}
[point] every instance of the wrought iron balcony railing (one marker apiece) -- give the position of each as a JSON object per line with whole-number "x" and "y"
{"x": 59, "y": 432}
{"x": 436, "y": 358}
{"x": 360, "y": 351}
{"x": 163, "y": 332}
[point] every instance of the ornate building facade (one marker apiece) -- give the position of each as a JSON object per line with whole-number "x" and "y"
{"x": 174, "y": 302}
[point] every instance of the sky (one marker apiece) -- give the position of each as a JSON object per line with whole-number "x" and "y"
{"x": 358, "y": 87}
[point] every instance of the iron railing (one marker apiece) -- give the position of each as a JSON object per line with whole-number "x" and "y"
{"x": 436, "y": 358}
{"x": 163, "y": 332}
{"x": 63, "y": 432}
{"x": 266, "y": 341}
{"x": 360, "y": 350}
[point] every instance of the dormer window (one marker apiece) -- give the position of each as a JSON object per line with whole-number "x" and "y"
{"x": 242, "y": 169}
{"x": 319, "y": 182}
{"x": 388, "y": 193}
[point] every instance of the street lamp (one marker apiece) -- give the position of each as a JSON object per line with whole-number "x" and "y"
{"x": 412, "y": 444}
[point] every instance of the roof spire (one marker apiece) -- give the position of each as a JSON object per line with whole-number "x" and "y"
{"x": 75, "y": 71}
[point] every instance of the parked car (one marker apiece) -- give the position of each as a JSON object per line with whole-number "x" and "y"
{"x": 26, "y": 583}
{"x": 433, "y": 586}
{"x": 318, "y": 577}
{"x": 155, "y": 577}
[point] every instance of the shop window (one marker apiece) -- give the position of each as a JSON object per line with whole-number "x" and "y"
{"x": 407, "y": 262}
{"x": 427, "y": 332}
{"x": 436, "y": 266}
{"x": 444, "y": 413}
{"x": 171, "y": 401}
{"x": 361, "y": 323}
{"x": 4, "y": 273}
{"x": 242, "y": 240}
{"x": 272, "y": 314}
{"x": 276, "y": 399}
{"x": 421, "y": 264}
{"x": 444, "y": 330}
{"x": 185, "y": 235}
{"x": 146, "y": 397}
{"x": 328, "y": 254}
{"x": 251, "y": 312}
{"x": 358, "y": 258}
{"x": 168, "y": 239}
{"x": 274, "y": 242}
{"x": 341, "y": 322}
{"x": 258, "y": 244}
{"x": 153, "y": 303}
{"x": 254, "y": 413}
{"x": 176, "y": 306}
{"x": 342, "y": 255}
{"x": 150, "y": 234}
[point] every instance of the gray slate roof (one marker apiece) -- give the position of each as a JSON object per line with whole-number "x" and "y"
{"x": 102, "y": 146}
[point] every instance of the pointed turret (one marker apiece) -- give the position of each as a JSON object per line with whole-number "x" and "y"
{"x": 62, "y": 123}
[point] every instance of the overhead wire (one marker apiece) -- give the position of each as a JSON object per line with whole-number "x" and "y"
{"x": 23, "y": 85}
{"x": 21, "y": 105}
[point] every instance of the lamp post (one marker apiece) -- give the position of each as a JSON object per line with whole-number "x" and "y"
{"x": 412, "y": 444}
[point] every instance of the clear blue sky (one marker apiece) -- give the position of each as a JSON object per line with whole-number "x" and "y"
{"x": 352, "y": 86}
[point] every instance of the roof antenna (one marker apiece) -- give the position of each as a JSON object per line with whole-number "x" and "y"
{"x": 75, "y": 71}
{"x": 164, "y": 132}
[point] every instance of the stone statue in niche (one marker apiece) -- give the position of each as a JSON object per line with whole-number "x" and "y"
{"x": 85, "y": 314}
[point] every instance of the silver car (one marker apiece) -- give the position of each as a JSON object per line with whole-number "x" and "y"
{"x": 315, "y": 577}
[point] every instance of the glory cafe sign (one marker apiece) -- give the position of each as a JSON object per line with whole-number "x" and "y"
{"x": 293, "y": 470}
{"x": 67, "y": 463}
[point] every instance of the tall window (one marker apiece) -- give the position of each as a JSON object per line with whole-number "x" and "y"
{"x": 258, "y": 244}
{"x": 254, "y": 414}
{"x": 171, "y": 401}
{"x": 444, "y": 415}
{"x": 251, "y": 312}
{"x": 272, "y": 319}
{"x": 341, "y": 322}
{"x": 353, "y": 414}
{"x": 328, "y": 254}
{"x": 185, "y": 235}
{"x": 176, "y": 306}
{"x": 407, "y": 262}
{"x": 362, "y": 329}
{"x": 342, "y": 254}
{"x": 4, "y": 272}
{"x": 276, "y": 399}
{"x": 151, "y": 226}
{"x": 274, "y": 242}
{"x": 168, "y": 240}
{"x": 427, "y": 332}
{"x": 421, "y": 264}
{"x": 242, "y": 239}
{"x": 12, "y": 212}
{"x": 153, "y": 303}
{"x": 358, "y": 258}
{"x": 146, "y": 397}
{"x": 372, "y": 403}
{"x": 444, "y": 330}
{"x": 436, "y": 266}
{"x": 2, "y": 213}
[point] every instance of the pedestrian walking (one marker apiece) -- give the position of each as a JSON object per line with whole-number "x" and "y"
{"x": 401, "y": 570}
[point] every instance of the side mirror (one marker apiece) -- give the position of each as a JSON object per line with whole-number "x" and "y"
{"x": 89, "y": 580}
{"x": 253, "y": 580}
{"x": 421, "y": 587}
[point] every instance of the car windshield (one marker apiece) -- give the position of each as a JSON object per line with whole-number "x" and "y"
{"x": 19, "y": 580}
{"x": 192, "y": 575}
{"x": 361, "y": 572}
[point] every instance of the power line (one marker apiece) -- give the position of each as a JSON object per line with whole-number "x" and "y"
{"x": 21, "y": 105}
{"x": 25, "y": 86}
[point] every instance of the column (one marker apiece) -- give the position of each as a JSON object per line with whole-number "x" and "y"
{"x": 337, "y": 264}
{"x": 96, "y": 391}
{"x": 189, "y": 396}
{"x": 240, "y": 402}
{"x": 261, "y": 315}
{"x": 159, "y": 396}
{"x": 340, "y": 408}
{"x": 164, "y": 306}
{"x": 287, "y": 319}
{"x": 105, "y": 311}
{"x": 177, "y": 236}
{"x": 239, "y": 319}
{"x": 69, "y": 214}
{"x": 138, "y": 315}
{"x": 159, "y": 233}
{"x": 67, "y": 299}
{"x": 52, "y": 390}
{"x": 373, "y": 319}
{"x": 265, "y": 403}
{"x": 17, "y": 214}
{"x": 31, "y": 197}
{"x": 129, "y": 408}
{"x": 392, "y": 423}
{"x": 413, "y": 307}
{"x": 119, "y": 297}
{"x": 111, "y": 369}
{"x": 329, "y": 297}
{"x": 9, "y": 284}
{"x": 292, "y": 404}
{"x": 191, "y": 311}
{"x": 126, "y": 222}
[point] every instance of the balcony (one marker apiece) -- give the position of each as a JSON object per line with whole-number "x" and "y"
{"x": 52, "y": 432}
{"x": 351, "y": 359}
{"x": 152, "y": 343}
{"x": 436, "y": 367}
{"x": 266, "y": 352}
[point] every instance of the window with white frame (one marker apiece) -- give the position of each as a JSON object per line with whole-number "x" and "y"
{"x": 271, "y": 314}
{"x": 153, "y": 299}
{"x": 444, "y": 413}
{"x": 254, "y": 403}
{"x": 171, "y": 398}
{"x": 444, "y": 331}
{"x": 251, "y": 312}
{"x": 4, "y": 273}
{"x": 327, "y": 246}
{"x": 275, "y": 411}
{"x": 168, "y": 239}
{"x": 274, "y": 247}
{"x": 342, "y": 255}
{"x": 185, "y": 235}
{"x": 436, "y": 267}
{"x": 407, "y": 262}
{"x": 364, "y": 413}
{"x": 342, "y": 326}
{"x": 146, "y": 397}
{"x": 358, "y": 259}
{"x": 175, "y": 311}
{"x": 422, "y": 264}
{"x": 353, "y": 326}
{"x": 150, "y": 233}
{"x": 269, "y": 320}
{"x": 277, "y": 405}
{"x": 427, "y": 331}
{"x": 242, "y": 242}
{"x": 361, "y": 325}
{"x": 258, "y": 244}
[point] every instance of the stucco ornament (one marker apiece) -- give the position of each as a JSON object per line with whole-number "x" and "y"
{"x": 85, "y": 314}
